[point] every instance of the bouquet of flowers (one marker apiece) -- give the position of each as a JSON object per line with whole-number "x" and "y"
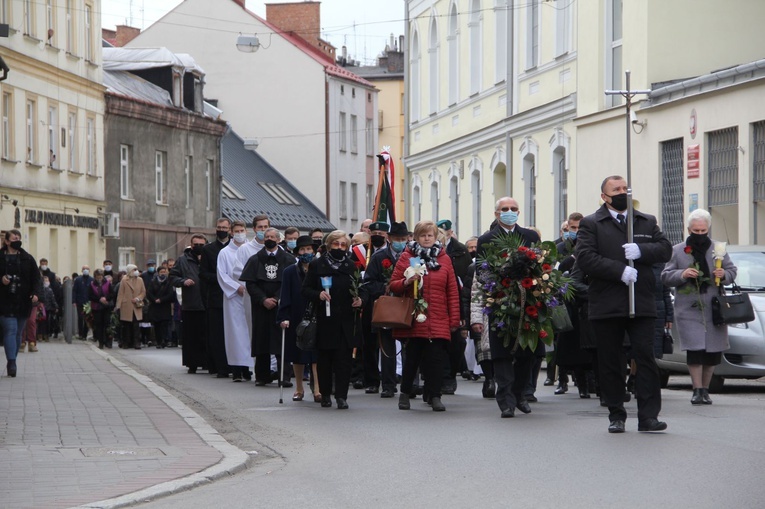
{"x": 417, "y": 268}
{"x": 696, "y": 287}
{"x": 521, "y": 289}
{"x": 387, "y": 268}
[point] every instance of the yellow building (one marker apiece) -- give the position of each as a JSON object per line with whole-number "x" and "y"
{"x": 51, "y": 134}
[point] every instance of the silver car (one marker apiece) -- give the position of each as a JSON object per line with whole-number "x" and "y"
{"x": 746, "y": 356}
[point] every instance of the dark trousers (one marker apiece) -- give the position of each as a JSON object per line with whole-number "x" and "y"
{"x": 373, "y": 358}
{"x": 455, "y": 352}
{"x": 82, "y": 325}
{"x": 370, "y": 353}
{"x": 388, "y": 359}
{"x": 336, "y": 361}
{"x": 263, "y": 367}
{"x": 194, "y": 352}
{"x": 101, "y": 318}
{"x": 216, "y": 344}
{"x": 609, "y": 334}
{"x": 129, "y": 334}
{"x": 430, "y": 356}
{"x": 511, "y": 377}
{"x": 162, "y": 332}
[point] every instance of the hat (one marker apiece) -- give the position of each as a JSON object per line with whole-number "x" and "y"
{"x": 379, "y": 226}
{"x": 151, "y": 261}
{"x": 445, "y": 224}
{"x": 302, "y": 241}
{"x": 399, "y": 229}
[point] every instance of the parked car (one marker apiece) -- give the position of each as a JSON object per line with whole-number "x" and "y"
{"x": 746, "y": 356}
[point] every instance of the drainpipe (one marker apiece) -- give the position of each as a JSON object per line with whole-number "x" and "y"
{"x": 510, "y": 81}
{"x": 326, "y": 147}
{"x": 407, "y": 176}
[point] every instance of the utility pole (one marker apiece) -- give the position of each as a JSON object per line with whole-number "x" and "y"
{"x": 628, "y": 94}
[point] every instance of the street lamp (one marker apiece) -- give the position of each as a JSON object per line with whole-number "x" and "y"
{"x": 247, "y": 43}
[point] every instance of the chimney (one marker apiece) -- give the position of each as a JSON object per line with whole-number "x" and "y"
{"x": 125, "y": 34}
{"x": 302, "y": 19}
{"x": 392, "y": 43}
{"x": 401, "y": 43}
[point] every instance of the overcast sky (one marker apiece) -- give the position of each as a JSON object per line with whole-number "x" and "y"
{"x": 364, "y": 26}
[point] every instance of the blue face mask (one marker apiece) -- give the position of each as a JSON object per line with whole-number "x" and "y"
{"x": 292, "y": 244}
{"x": 151, "y": 270}
{"x": 306, "y": 257}
{"x": 398, "y": 246}
{"x": 260, "y": 235}
{"x": 569, "y": 235}
{"x": 508, "y": 218}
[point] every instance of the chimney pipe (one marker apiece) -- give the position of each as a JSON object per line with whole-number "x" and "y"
{"x": 401, "y": 43}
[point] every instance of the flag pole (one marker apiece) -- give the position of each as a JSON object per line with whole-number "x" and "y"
{"x": 378, "y": 198}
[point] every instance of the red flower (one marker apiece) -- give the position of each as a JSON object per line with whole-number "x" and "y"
{"x": 527, "y": 282}
{"x": 386, "y": 263}
{"x": 532, "y": 311}
{"x": 506, "y": 282}
{"x": 522, "y": 249}
{"x": 546, "y": 267}
{"x": 499, "y": 295}
{"x": 359, "y": 264}
{"x": 539, "y": 304}
{"x": 531, "y": 255}
{"x": 526, "y": 325}
{"x": 688, "y": 249}
{"x": 543, "y": 334}
{"x": 503, "y": 255}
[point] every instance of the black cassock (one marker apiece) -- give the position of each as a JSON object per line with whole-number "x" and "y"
{"x": 263, "y": 277}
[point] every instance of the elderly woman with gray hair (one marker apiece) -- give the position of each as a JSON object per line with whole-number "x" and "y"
{"x": 691, "y": 270}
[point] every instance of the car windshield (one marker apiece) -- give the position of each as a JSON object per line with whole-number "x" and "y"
{"x": 749, "y": 265}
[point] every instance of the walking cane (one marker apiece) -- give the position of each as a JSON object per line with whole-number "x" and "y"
{"x": 281, "y": 374}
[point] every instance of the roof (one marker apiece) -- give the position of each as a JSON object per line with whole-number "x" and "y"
{"x": 375, "y": 72}
{"x": 129, "y": 85}
{"x": 136, "y": 59}
{"x": 252, "y": 186}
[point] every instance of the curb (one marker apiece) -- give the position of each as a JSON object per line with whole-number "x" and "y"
{"x": 234, "y": 459}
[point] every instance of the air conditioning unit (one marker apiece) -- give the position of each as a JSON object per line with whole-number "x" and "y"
{"x": 110, "y": 226}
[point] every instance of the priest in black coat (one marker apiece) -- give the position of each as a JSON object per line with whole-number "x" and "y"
{"x": 213, "y": 297}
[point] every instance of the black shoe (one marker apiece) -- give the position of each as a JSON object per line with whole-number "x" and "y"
{"x": 137, "y": 347}
{"x": 190, "y": 371}
{"x": 387, "y": 393}
{"x": 705, "y": 397}
{"x": 652, "y": 425}
{"x": 627, "y": 397}
{"x": 531, "y": 398}
{"x": 435, "y": 402}
{"x": 341, "y": 404}
{"x": 548, "y": 382}
{"x": 507, "y": 413}
{"x": 523, "y": 406}
{"x": 449, "y": 387}
{"x": 616, "y": 426}
{"x": 287, "y": 384}
{"x": 221, "y": 375}
{"x": 697, "y": 399}
{"x": 261, "y": 383}
{"x": 489, "y": 389}
{"x": 584, "y": 392}
{"x": 358, "y": 384}
{"x": 372, "y": 389}
{"x": 237, "y": 377}
{"x": 403, "y": 402}
{"x": 562, "y": 389}
{"x": 11, "y": 369}
{"x": 326, "y": 403}
{"x": 247, "y": 375}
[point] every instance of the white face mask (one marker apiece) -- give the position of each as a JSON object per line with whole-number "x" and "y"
{"x": 136, "y": 273}
{"x": 240, "y": 238}
{"x": 43, "y": 267}
{"x": 107, "y": 267}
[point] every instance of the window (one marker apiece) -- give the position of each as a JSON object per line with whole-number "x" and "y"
{"x": 452, "y": 40}
{"x": 69, "y": 27}
{"x": 159, "y": 178}
{"x": 370, "y": 200}
{"x": 561, "y": 184}
{"x": 5, "y": 11}
{"x": 532, "y": 34}
{"x": 474, "y": 29}
{"x": 434, "y": 200}
{"x": 343, "y": 134}
{"x": 52, "y": 137}
{"x": 529, "y": 169}
{"x": 125, "y": 187}
{"x": 614, "y": 50}
{"x": 187, "y": 166}
{"x": 72, "y": 127}
{"x": 500, "y": 54}
{"x": 672, "y": 170}
{"x": 50, "y": 20}
{"x": 90, "y": 125}
{"x": 354, "y": 201}
{"x": 475, "y": 190}
{"x": 31, "y": 131}
{"x": 723, "y": 167}
{"x": 353, "y": 93}
{"x": 417, "y": 203}
{"x": 758, "y": 177}
{"x": 563, "y": 19}
{"x": 454, "y": 194}
{"x": 278, "y": 193}
{"x": 370, "y": 135}
{"x": 433, "y": 78}
{"x": 29, "y": 18}
{"x": 354, "y": 135}
{"x": 343, "y": 201}
{"x": 88, "y": 34}
{"x": 126, "y": 257}
{"x": 208, "y": 183}
{"x": 415, "y": 66}
{"x": 7, "y": 127}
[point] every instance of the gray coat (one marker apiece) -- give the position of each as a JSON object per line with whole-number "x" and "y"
{"x": 688, "y": 323}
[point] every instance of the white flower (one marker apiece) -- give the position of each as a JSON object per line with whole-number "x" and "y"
{"x": 719, "y": 250}
{"x": 421, "y": 317}
{"x": 545, "y": 276}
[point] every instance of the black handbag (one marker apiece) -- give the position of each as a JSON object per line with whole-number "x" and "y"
{"x": 305, "y": 332}
{"x": 732, "y": 307}
{"x": 667, "y": 343}
{"x": 561, "y": 321}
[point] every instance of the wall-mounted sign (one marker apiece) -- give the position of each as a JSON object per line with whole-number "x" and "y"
{"x": 693, "y": 202}
{"x": 693, "y": 161}
{"x": 60, "y": 219}
{"x": 692, "y": 124}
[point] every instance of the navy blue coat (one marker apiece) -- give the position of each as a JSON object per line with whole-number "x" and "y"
{"x": 292, "y": 306}
{"x": 80, "y": 290}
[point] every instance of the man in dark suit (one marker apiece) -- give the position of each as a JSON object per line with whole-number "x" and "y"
{"x": 213, "y": 297}
{"x": 511, "y": 370}
{"x": 603, "y": 253}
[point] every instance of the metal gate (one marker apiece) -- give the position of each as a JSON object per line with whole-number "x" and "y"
{"x": 723, "y": 167}
{"x": 758, "y": 161}
{"x": 672, "y": 190}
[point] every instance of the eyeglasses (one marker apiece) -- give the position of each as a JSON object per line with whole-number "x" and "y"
{"x": 506, "y": 209}
{"x": 198, "y": 244}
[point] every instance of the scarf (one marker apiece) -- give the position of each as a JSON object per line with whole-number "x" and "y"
{"x": 334, "y": 262}
{"x": 427, "y": 254}
{"x": 699, "y": 250}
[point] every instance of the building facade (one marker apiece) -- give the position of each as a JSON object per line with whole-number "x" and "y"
{"x": 51, "y": 134}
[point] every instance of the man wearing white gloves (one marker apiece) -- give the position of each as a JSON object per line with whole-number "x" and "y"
{"x": 603, "y": 254}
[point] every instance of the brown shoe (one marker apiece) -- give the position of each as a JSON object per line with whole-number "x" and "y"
{"x": 23, "y": 347}
{"x": 32, "y": 347}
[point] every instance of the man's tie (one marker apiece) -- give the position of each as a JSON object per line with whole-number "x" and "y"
{"x": 620, "y": 218}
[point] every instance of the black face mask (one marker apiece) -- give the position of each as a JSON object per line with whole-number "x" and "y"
{"x": 316, "y": 243}
{"x": 270, "y": 244}
{"x": 337, "y": 254}
{"x": 221, "y": 235}
{"x": 197, "y": 250}
{"x": 619, "y": 201}
{"x": 378, "y": 240}
{"x": 16, "y": 244}
{"x": 697, "y": 239}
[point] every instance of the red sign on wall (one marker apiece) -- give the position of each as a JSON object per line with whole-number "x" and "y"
{"x": 693, "y": 161}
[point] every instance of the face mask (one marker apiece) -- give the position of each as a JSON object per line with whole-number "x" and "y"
{"x": 306, "y": 257}
{"x": 107, "y": 268}
{"x": 270, "y": 244}
{"x": 378, "y": 240}
{"x": 337, "y": 254}
{"x": 240, "y": 238}
{"x": 317, "y": 242}
{"x": 260, "y": 235}
{"x": 292, "y": 244}
{"x": 46, "y": 285}
{"x": 16, "y": 244}
{"x": 197, "y": 250}
{"x": 619, "y": 201}
{"x": 698, "y": 239}
{"x": 398, "y": 246}
{"x": 221, "y": 235}
{"x": 43, "y": 268}
{"x": 85, "y": 272}
{"x": 136, "y": 273}
{"x": 151, "y": 270}
{"x": 569, "y": 235}
{"x": 472, "y": 254}
{"x": 509, "y": 218}
{"x": 161, "y": 278}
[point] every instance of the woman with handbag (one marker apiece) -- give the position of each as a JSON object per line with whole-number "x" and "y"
{"x": 129, "y": 303}
{"x": 427, "y": 339}
{"x": 691, "y": 270}
{"x": 328, "y": 284}
{"x": 98, "y": 293}
{"x": 292, "y": 308}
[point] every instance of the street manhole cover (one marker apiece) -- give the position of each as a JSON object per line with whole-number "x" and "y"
{"x": 121, "y": 452}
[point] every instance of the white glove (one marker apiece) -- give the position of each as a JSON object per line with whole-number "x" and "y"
{"x": 629, "y": 275}
{"x": 631, "y": 251}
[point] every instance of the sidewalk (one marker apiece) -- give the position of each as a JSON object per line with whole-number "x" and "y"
{"x": 80, "y": 428}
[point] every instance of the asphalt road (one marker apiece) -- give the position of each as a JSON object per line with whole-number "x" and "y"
{"x": 560, "y": 455}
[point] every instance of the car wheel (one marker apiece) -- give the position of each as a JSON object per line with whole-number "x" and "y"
{"x": 716, "y": 384}
{"x": 664, "y": 378}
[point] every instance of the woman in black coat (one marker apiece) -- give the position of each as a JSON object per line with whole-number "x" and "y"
{"x": 336, "y": 335}
{"x": 161, "y": 295}
{"x": 292, "y": 307}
